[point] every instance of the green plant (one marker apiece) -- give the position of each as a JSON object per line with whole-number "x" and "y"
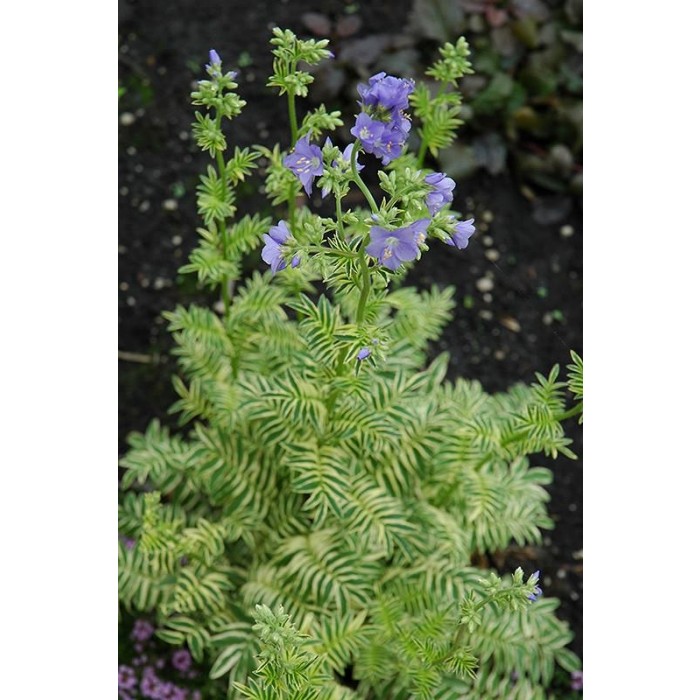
{"x": 329, "y": 475}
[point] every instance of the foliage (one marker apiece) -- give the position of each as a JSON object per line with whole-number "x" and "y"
{"x": 320, "y": 513}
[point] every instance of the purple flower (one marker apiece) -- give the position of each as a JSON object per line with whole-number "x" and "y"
{"x": 214, "y": 57}
{"x": 387, "y": 92}
{"x": 382, "y": 139}
{"x": 272, "y": 252}
{"x": 577, "y": 680}
{"x": 461, "y": 234}
{"x": 538, "y": 591}
{"x": 150, "y": 684}
{"x": 441, "y": 193}
{"x": 142, "y": 631}
{"x": 364, "y": 354}
{"x": 306, "y": 162}
{"x": 169, "y": 691}
{"x": 391, "y": 248}
{"x": 182, "y": 660}
{"x": 127, "y": 678}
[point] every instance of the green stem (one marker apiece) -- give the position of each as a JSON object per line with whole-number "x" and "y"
{"x": 292, "y": 116}
{"x": 339, "y": 216}
{"x": 358, "y": 180}
{"x": 223, "y": 233}
{"x": 364, "y": 293}
{"x": 574, "y": 411}
{"x": 295, "y": 132}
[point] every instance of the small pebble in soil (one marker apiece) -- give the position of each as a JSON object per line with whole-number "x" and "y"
{"x": 138, "y": 168}
{"x": 547, "y": 319}
{"x": 130, "y": 151}
{"x": 572, "y": 507}
{"x": 484, "y": 284}
{"x": 170, "y": 205}
{"x": 488, "y": 298}
{"x": 183, "y": 135}
{"x": 556, "y": 267}
{"x": 547, "y": 580}
{"x": 499, "y": 354}
{"x": 176, "y": 240}
{"x": 486, "y": 315}
{"x": 144, "y": 282}
{"x": 531, "y": 338}
{"x": 487, "y": 241}
{"x": 219, "y": 307}
{"x": 158, "y": 283}
{"x": 492, "y": 254}
{"x": 121, "y": 249}
{"x": 263, "y": 133}
{"x": 566, "y": 231}
{"x": 561, "y": 574}
{"x": 123, "y": 286}
{"x": 547, "y": 541}
{"x": 162, "y": 70}
{"x": 130, "y": 301}
{"x": 144, "y": 206}
{"x": 574, "y": 595}
{"x": 487, "y": 216}
{"x": 123, "y": 191}
{"x": 250, "y": 77}
{"x": 578, "y": 554}
{"x": 512, "y": 324}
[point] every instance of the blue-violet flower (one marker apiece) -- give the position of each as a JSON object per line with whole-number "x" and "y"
{"x": 391, "y": 248}
{"x": 441, "y": 193}
{"x": 127, "y": 678}
{"x": 386, "y": 91}
{"x": 364, "y": 354}
{"x": 537, "y": 593}
{"x": 272, "y": 252}
{"x": 306, "y": 162}
{"x": 461, "y": 234}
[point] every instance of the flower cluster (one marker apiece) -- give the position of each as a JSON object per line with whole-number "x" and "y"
{"x": 141, "y": 679}
{"x": 577, "y": 680}
{"x": 272, "y": 252}
{"x": 441, "y": 191}
{"x": 382, "y": 127}
{"x": 391, "y": 248}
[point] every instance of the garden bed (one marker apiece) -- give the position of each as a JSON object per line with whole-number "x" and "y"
{"x": 518, "y": 284}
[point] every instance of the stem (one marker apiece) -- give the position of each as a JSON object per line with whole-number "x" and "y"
{"x": 223, "y": 233}
{"x": 358, "y": 180}
{"x": 578, "y": 408}
{"x": 339, "y": 215}
{"x": 295, "y": 132}
{"x": 292, "y": 116}
{"x": 366, "y": 281}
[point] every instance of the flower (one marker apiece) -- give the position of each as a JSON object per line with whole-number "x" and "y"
{"x": 461, "y": 234}
{"x": 214, "y": 65}
{"x": 182, "y": 660}
{"x": 142, "y": 631}
{"x": 577, "y": 680}
{"x": 391, "y": 248}
{"x": 364, "y": 354}
{"x": 382, "y": 139}
{"x": 306, "y": 162}
{"x": 387, "y": 92}
{"x": 537, "y": 593}
{"x": 127, "y": 678}
{"x": 441, "y": 193}
{"x": 382, "y": 126}
{"x": 272, "y": 252}
{"x": 150, "y": 684}
{"x": 214, "y": 57}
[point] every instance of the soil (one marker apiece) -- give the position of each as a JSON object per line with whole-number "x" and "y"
{"x": 518, "y": 284}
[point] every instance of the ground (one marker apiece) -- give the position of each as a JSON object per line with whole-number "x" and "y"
{"x": 518, "y": 284}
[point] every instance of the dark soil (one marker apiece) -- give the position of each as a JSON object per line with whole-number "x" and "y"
{"x": 530, "y": 249}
